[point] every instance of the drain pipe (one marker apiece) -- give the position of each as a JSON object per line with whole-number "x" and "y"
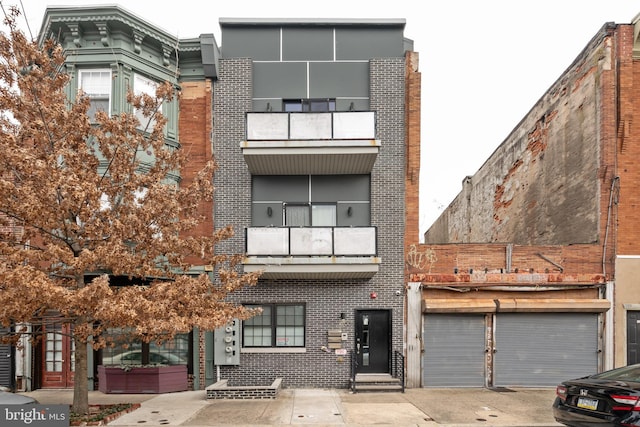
{"x": 606, "y": 233}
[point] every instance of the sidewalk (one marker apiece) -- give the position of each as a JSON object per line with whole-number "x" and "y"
{"x": 457, "y": 407}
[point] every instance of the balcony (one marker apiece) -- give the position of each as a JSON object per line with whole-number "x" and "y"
{"x": 310, "y": 143}
{"x": 312, "y": 252}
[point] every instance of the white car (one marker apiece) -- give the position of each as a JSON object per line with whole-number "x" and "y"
{"x": 134, "y": 357}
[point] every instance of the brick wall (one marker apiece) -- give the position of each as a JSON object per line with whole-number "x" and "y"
{"x": 627, "y": 131}
{"x": 195, "y": 138}
{"x": 548, "y": 182}
{"x": 325, "y": 300}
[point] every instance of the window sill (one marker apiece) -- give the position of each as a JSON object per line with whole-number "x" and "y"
{"x": 256, "y": 350}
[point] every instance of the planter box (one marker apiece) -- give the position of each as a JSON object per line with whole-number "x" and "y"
{"x": 151, "y": 379}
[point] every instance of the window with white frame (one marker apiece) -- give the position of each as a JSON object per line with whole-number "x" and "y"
{"x": 279, "y": 325}
{"x": 96, "y": 84}
{"x": 143, "y": 85}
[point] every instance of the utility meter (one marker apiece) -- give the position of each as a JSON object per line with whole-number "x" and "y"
{"x": 226, "y": 344}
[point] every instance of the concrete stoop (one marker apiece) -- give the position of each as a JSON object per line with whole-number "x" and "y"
{"x": 222, "y": 390}
{"x": 376, "y": 382}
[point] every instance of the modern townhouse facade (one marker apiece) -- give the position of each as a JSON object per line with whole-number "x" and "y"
{"x": 308, "y": 121}
{"x": 530, "y": 275}
{"x": 310, "y": 130}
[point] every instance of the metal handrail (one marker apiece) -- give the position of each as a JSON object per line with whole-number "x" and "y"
{"x": 354, "y": 369}
{"x": 397, "y": 368}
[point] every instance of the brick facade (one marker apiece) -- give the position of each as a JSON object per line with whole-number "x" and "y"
{"x": 325, "y": 300}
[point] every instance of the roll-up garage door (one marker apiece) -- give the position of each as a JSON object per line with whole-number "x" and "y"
{"x": 454, "y": 350}
{"x": 543, "y": 349}
{"x": 6, "y": 360}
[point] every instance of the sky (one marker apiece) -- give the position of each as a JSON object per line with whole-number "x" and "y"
{"x": 484, "y": 64}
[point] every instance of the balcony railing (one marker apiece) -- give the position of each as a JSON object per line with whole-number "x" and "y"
{"x": 330, "y": 143}
{"x": 344, "y": 125}
{"x": 311, "y": 241}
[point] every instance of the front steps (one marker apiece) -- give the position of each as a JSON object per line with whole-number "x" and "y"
{"x": 376, "y": 382}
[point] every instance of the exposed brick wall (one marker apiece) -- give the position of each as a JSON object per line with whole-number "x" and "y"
{"x": 546, "y": 183}
{"x": 195, "y": 138}
{"x": 628, "y": 137}
{"x": 502, "y": 259}
{"x": 413, "y": 98}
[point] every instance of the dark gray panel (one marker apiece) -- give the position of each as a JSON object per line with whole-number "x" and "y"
{"x": 454, "y": 347}
{"x": 352, "y": 104}
{"x": 259, "y": 44}
{"x": 290, "y": 188}
{"x": 357, "y": 214}
{"x": 543, "y": 349}
{"x": 332, "y": 188}
{"x": 338, "y": 79}
{"x": 370, "y": 43}
{"x": 280, "y": 80}
{"x": 307, "y": 44}
{"x": 266, "y": 214}
{"x": 268, "y": 104}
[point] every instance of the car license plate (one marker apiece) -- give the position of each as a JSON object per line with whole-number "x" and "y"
{"x": 585, "y": 403}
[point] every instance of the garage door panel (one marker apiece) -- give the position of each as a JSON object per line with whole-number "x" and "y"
{"x": 6, "y": 360}
{"x": 454, "y": 350}
{"x": 534, "y": 349}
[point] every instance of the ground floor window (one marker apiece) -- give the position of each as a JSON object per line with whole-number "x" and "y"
{"x": 171, "y": 352}
{"x": 279, "y": 325}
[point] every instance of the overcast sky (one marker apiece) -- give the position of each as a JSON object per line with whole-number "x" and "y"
{"x": 484, "y": 64}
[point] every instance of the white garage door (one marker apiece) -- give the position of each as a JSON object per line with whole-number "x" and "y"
{"x": 542, "y": 349}
{"x": 454, "y": 350}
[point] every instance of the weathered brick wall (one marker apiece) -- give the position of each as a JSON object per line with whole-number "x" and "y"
{"x": 499, "y": 258}
{"x": 628, "y": 138}
{"x": 195, "y": 138}
{"x": 413, "y": 96}
{"x": 547, "y": 182}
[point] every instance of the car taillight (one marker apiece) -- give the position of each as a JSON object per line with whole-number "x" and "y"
{"x": 632, "y": 403}
{"x": 561, "y": 392}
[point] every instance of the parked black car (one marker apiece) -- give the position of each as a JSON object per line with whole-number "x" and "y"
{"x": 611, "y": 398}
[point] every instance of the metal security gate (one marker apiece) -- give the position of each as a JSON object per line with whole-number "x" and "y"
{"x": 454, "y": 350}
{"x": 6, "y": 362}
{"x": 543, "y": 349}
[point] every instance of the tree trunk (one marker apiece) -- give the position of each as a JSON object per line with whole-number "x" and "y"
{"x": 81, "y": 377}
{"x": 80, "y": 383}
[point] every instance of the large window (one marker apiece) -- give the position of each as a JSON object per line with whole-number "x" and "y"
{"x": 277, "y": 326}
{"x": 96, "y": 84}
{"x": 310, "y": 200}
{"x": 309, "y": 105}
{"x": 143, "y": 85}
{"x": 173, "y": 352}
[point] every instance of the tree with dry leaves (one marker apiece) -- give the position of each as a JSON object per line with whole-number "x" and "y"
{"x": 78, "y": 207}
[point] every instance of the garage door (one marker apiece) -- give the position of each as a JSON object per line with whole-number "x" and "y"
{"x": 6, "y": 361}
{"x": 542, "y": 349}
{"x": 454, "y": 350}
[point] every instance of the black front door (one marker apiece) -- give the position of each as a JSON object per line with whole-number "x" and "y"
{"x": 633, "y": 337}
{"x": 373, "y": 341}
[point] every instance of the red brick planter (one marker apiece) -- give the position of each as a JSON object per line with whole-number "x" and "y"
{"x": 148, "y": 379}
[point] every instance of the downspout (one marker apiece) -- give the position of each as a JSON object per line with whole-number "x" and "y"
{"x": 606, "y": 232}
